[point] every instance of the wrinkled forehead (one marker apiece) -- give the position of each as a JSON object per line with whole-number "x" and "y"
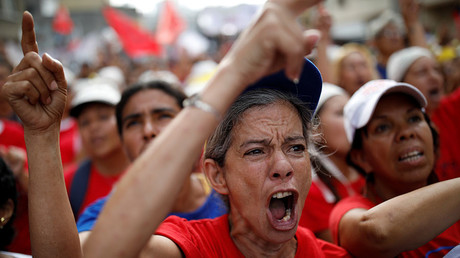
{"x": 280, "y": 115}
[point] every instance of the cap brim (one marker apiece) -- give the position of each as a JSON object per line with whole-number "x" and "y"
{"x": 308, "y": 89}
{"x": 400, "y": 88}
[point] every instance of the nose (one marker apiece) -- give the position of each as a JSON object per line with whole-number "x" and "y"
{"x": 405, "y": 132}
{"x": 281, "y": 167}
{"x": 150, "y": 130}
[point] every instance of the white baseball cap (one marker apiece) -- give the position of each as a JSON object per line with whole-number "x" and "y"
{"x": 94, "y": 90}
{"x": 400, "y": 61}
{"x": 329, "y": 90}
{"x": 361, "y": 106}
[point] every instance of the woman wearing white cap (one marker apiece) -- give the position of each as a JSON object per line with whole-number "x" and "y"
{"x": 333, "y": 178}
{"x": 93, "y": 106}
{"x": 418, "y": 67}
{"x": 395, "y": 146}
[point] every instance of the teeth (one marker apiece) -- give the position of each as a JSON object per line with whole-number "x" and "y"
{"x": 411, "y": 156}
{"x": 287, "y": 216}
{"x": 280, "y": 195}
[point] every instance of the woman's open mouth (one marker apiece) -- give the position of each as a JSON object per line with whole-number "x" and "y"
{"x": 281, "y": 208}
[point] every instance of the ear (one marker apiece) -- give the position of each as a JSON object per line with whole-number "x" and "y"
{"x": 359, "y": 158}
{"x": 6, "y": 212}
{"x": 215, "y": 175}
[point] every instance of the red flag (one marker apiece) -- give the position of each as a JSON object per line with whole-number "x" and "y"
{"x": 62, "y": 23}
{"x": 170, "y": 24}
{"x": 136, "y": 41}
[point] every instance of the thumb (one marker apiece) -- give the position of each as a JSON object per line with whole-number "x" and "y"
{"x": 54, "y": 66}
{"x": 310, "y": 39}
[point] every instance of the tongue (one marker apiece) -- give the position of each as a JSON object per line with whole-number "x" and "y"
{"x": 277, "y": 208}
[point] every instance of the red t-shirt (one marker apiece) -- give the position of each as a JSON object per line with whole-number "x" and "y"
{"x": 315, "y": 214}
{"x": 437, "y": 247}
{"x": 69, "y": 141}
{"x": 12, "y": 134}
{"x": 447, "y": 119}
{"x": 211, "y": 238}
{"x": 98, "y": 185}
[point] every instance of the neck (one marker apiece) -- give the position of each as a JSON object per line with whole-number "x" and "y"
{"x": 191, "y": 197}
{"x": 380, "y": 191}
{"x": 112, "y": 164}
{"x": 251, "y": 245}
{"x": 382, "y": 59}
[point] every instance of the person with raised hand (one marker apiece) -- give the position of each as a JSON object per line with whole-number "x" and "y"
{"x": 255, "y": 226}
{"x": 36, "y": 90}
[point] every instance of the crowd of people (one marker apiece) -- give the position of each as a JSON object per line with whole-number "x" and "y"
{"x": 282, "y": 153}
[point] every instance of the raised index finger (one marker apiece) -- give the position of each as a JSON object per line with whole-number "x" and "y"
{"x": 28, "y": 41}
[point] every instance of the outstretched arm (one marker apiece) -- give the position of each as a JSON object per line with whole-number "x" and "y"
{"x": 415, "y": 30}
{"x": 146, "y": 193}
{"x": 403, "y": 223}
{"x": 37, "y": 92}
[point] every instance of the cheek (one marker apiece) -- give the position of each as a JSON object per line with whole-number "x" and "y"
{"x": 85, "y": 134}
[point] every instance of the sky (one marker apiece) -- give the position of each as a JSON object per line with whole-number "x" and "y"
{"x": 150, "y": 5}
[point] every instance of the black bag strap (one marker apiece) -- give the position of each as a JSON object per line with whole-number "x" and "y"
{"x": 78, "y": 187}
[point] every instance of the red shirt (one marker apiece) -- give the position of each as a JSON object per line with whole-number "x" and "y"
{"x": 99, "y": 185}
{"x": 447, "y": 119}
{"x": 315, "y": 214}
{"x": 12, "y": 134}
{"x": 437, "y": 247}
{"x": 69, "y": 141}
{"x": 211, "y": 238}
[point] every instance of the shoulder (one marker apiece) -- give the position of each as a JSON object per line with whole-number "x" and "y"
{"x": 89, "y": 216}
{"x": 310, "y": 246}
{"x": 342, "y": 208}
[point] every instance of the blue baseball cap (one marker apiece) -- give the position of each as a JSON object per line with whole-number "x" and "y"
{"x": 308, "y": 88}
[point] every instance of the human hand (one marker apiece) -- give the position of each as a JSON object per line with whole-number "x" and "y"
{"x": 409, "y": 11}
{"x": 275, "y": 40}
{"x": 323, "y": 21}
{"x": 36, "y": 90}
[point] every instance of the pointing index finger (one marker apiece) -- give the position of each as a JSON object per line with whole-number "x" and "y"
{"x": 28, "y": 41}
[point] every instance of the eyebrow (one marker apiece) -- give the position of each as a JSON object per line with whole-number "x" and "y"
{"x": 152, "y": 112}
{"x": 267, "y": 142}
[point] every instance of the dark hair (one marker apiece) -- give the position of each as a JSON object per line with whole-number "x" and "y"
{"x": 220, "y": 141}
{"x": 357, "y": 144}
{"x": 167, "y": 88}
{"x": 7, "y": 192}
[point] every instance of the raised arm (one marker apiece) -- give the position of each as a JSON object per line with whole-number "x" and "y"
{"x": 146, "y": 193}
{"x": 37, "y": 92}
{"x": 323, "y": 23}
{"x": 415, "y": 30}
{"x": 403, "y": 223}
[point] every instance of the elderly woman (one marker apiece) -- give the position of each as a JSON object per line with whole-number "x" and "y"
{"x": 394, "y": 145}
{"x": 418, "y": 67}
